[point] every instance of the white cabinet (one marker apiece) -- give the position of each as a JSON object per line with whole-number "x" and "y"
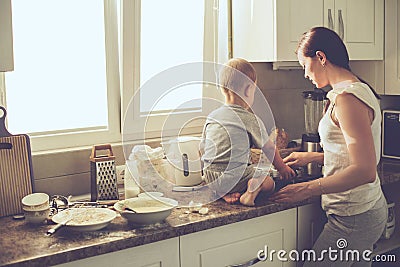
{"x": 392, "y": 47}
{"x": 360, "y": 23}
{"x": 310, "y": 222}
{"x": 268, "y": 30}
{"x": 240, "y": 242}
{"x": 6, "y": 40}
{"x": 162, "y": 253}
{"x": 275, "y": 237}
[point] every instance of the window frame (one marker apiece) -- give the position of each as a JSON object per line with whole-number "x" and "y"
{"x": 62, "y": 139}
{"x": 130, "y": 75}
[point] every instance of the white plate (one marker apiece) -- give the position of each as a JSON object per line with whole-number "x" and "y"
{"x": 85, "y": 219}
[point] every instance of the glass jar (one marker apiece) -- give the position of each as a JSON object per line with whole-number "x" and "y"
{"x": 131, "y": 188}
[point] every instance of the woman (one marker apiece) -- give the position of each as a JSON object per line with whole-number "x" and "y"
{"x": 350, "y": 136}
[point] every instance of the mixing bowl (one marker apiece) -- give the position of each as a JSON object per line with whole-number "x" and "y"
{"x": 143, "y": 210}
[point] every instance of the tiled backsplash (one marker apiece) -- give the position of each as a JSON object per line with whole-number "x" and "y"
{"x": 283, "y": 91}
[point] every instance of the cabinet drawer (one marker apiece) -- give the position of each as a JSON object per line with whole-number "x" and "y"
{"x": 244, "y": 250}
{"x": 240, "y": 242}
{"x": 161, "y": 253}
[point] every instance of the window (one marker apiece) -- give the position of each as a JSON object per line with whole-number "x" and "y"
{"x": 174, "y": 38}
{"x": 64, "y": 88}
{"x": 163, "y": 39}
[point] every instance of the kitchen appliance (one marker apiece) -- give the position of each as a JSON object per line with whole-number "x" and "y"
{"x": 183, "y": 154}
{"x": 103, "y": 175}
{"x": 391, "y": 134}
{"x": 16, "y": 173}
{"x": 314, "y": 102}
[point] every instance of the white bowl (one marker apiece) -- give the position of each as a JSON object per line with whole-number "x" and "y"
{"x": 35, "y": 202}
{"x": 147, "y": 211}
{"x": 37, "y": 217}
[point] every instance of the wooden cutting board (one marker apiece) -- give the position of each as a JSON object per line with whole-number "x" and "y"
{"x": 16, "y": 174}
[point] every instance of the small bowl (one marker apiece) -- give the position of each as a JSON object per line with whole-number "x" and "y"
{"x": 35, "y": 202}
{"x": 37, "y": 217}
{"x": 142, "y": 215}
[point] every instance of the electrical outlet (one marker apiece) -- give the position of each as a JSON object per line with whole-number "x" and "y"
{"x": 120, "y": 174}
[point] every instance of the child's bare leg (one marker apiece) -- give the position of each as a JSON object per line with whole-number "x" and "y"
{"x": 249, "y": 197}
{"x": 231, "y": 198}
{"x": 268, "y": 184}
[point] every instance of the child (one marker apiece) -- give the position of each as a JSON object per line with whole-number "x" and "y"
{"x": 230, "y": 132}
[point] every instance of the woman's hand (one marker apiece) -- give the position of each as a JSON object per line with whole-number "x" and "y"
{"x": 293, "y": 193}
{"x": 286, "y": 172}
{"x": 299, "y": 159}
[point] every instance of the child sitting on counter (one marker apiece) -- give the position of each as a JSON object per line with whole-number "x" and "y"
{"x": 230, "y": 132}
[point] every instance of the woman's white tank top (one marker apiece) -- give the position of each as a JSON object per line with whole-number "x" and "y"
{"x": 336, "y": 155}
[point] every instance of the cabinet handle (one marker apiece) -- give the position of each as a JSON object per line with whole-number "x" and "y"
{"x": 341, "y": 25}
{"x": 185, "y": 162}
{"x": 330, "y": 20}
{"x": 246, "y": 264}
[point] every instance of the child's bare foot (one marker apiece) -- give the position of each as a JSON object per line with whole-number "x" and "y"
{"x": 231, "y": 198}
{"x": 249, "y": 197}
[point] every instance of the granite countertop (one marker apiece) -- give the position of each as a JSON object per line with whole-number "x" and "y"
{"x": 24, "y": 245}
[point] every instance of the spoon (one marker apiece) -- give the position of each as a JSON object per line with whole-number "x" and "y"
{"x": 58, "y": 226}
{"x": 126, "y": 208}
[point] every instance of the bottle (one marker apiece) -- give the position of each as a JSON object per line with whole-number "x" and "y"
{"x": 131, "y": 188}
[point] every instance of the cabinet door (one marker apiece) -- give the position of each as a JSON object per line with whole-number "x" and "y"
{"x": 6, "y": 42}
{"x": 253, "y": 30}
{"x": 360, "y": 24}
{"x": 310, "y": 222}
{"x": 392, "y": 47}
{"x": 293, "y": 19}
{"x": 240, "y": 242}
{"x": 162, "y": 253}
{"x": 268, "y": 30}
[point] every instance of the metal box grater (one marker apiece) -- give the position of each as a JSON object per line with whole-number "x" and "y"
{"x": 103, "y": 175}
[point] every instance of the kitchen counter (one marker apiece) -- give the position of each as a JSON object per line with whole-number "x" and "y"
{"x": 24, "y": 245}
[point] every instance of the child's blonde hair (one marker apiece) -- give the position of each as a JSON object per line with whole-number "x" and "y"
{"x": 236, "y": 74}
